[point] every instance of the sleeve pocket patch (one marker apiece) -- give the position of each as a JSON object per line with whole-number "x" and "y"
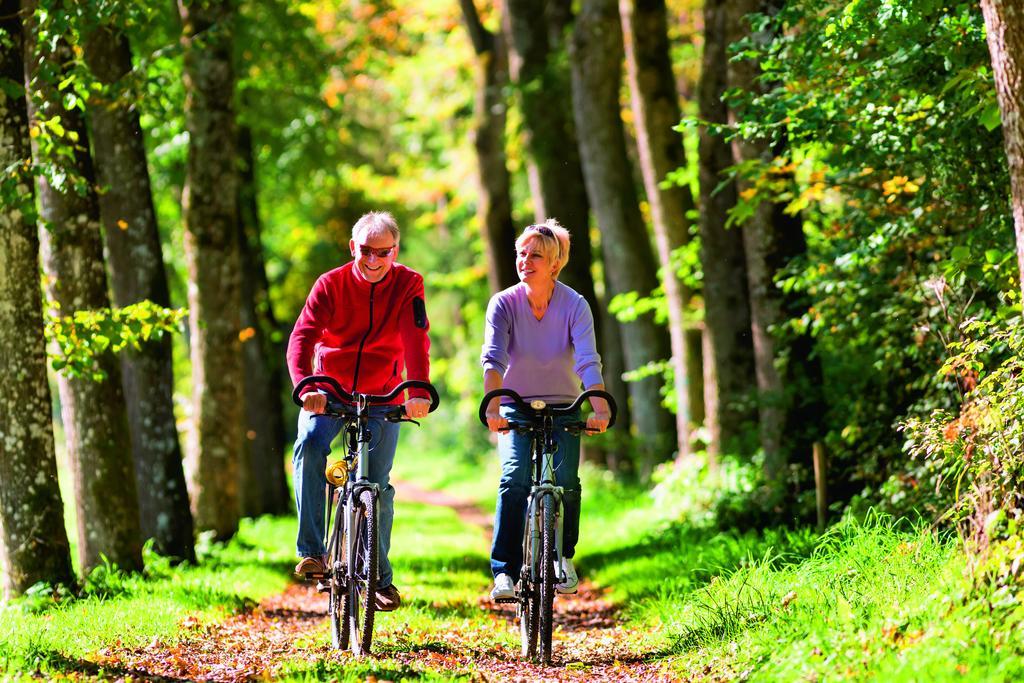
{"x": 419, "y": 313}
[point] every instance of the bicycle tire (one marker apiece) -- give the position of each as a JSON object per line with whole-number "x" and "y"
{"x": 529, "y": 601}
{"x": 337, "y": 604}
{"x": 339, "y": 589}
{"x": 362, "y": 590}
{"x": 548, "y": 511}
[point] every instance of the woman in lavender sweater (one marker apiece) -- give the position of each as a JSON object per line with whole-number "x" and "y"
{"x": 539, "y": 341}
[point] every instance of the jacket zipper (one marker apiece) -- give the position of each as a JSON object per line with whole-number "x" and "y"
{"x": 359, "y": 354}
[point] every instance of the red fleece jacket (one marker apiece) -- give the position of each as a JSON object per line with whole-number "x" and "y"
{"x": 363, "y": 334}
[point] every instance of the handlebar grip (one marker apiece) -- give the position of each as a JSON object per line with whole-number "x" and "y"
{"x": 345, "y": 396}
{"x": 339, "y": 392}
{"x": 486, "y": 401}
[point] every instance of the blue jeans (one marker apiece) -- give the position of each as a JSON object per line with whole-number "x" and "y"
{"x": 312, "y": 446}
{"x": 514, "y": 489}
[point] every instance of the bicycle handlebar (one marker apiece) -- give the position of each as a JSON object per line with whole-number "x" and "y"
{"x": 523, "y": 405}
{"x": 371, "y": 399}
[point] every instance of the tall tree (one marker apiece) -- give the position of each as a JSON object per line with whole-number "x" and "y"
{"x": 495, "y": 210}
{"x": 729, "y": 357}
{"x": 93, "y": 411}
{"x": 656, "y": 112}
{"x": 1004, "y": 27}
{"x": 788, "y": 378}
{"x": 538, "y": 65}
{"x": 136, "y": 265}
{"x": 596, "y": 58}
{"x": 33, "y": 542}
{"x": 542, "y": 84}
{"x": 264, "y": 488}
{"x": 209, "y": 203}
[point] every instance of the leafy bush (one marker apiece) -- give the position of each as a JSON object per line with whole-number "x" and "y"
{"x": 976, "y": 453}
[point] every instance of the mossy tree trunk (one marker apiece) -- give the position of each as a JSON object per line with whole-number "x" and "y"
{"x": 495, "y": 209}
{"x": 729, "y": 363}
{"x": 1004, "y": 25}
{"x": 264, "y": 489}
{"x": 93, "y": 411}
{"x": 136, "y": 265}
{"x": 596, "y": 58}
{"x": 33, "y": 542}
{"x": 209, "y": 204}
{"x": 656, "y": 112}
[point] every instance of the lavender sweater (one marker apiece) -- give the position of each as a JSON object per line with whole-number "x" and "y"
{"x": 544, "y": 358}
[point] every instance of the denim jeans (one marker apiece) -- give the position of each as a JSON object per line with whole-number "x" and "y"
{"x": 514, "y": 489}
{"x": 312, "y": 446}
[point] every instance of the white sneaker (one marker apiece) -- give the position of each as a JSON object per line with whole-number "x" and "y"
{"x": 571, "y": 580}
{"x": 503, "y": 589}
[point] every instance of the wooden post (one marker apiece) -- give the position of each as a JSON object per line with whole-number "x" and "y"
{"x": 820, "y": 485}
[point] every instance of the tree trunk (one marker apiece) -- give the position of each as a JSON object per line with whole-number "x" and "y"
{"x": 211, "y": 249}
{"x": 264, "y": 488}
{"x": 1004, "y": 24}
{"x": 655, "y": 112}
{"x": 596, "y": 59}
{"x": 33, "y": 542}
{"x": 495, "y": 209}
{"x": 729, "y": 364}
{"x": 543, "y": 86}
{"x": 771, "y": 240}
{"x": 135, "y": 261}
{"x": 94, "y": 412}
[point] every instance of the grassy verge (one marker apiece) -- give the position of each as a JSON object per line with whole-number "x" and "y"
{"x": 38, "y": 634}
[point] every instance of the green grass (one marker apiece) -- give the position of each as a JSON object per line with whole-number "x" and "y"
{"x": 50, "y": 637}
{"x": 870, "y": 599}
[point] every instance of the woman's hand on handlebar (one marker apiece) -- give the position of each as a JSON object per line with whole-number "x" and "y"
{"x": 495, "y": 422}
{"x": 416, "y": 408}
{"x": 315, "y": 402}
{"x": 597, "y": 423}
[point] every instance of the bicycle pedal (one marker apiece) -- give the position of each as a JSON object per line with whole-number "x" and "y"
{"x": 318, "y": 576}
{"x": 506, "y": 601}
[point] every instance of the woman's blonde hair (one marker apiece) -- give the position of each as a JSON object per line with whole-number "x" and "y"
{"x": 553, "y": 240}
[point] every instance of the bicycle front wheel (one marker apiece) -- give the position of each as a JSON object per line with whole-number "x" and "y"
{"x": 362, "y": 588}
{"x": 548, "y": 512}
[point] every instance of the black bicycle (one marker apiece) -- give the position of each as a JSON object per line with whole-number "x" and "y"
{"x": 542, "y": 539}
{"x": 351, "y": 530}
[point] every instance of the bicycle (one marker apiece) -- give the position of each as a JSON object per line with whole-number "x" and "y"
{"x": 542, "y": 539}
{"x": 351, "y": 532}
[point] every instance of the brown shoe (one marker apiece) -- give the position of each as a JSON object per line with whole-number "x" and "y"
{"x": 388, "y": 599}
{"x": 310, "y": 565}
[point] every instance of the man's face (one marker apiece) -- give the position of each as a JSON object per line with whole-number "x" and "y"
{"x": 370, "y": 264}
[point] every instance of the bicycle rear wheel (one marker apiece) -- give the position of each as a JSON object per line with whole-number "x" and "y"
{"x": 362, "y": 588}
{"x": 548, "y": 511}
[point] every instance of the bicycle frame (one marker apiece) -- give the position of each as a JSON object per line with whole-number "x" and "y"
{"x": 543, "y": 535}
{"x": 356, "y": 518}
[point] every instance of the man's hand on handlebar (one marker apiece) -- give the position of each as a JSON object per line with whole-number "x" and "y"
{"x": 316, "y": 403}
{"x": 417, "y": 407}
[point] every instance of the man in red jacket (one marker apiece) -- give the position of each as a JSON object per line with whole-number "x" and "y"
{"x": 363, "y": 323}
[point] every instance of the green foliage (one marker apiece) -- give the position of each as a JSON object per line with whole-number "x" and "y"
{"x": 880, "y": 114}
{"x": 976, "y": 454}
{"x": 86, "y": 335}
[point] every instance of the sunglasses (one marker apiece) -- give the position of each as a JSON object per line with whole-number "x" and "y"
{"x": 542, "y": 229}
{"x": 379, "y": 253}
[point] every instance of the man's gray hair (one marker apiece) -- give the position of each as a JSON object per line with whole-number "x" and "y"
{"x": 374, "y": 224}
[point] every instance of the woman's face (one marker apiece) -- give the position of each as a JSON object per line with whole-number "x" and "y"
{"x": 532, "y": 265}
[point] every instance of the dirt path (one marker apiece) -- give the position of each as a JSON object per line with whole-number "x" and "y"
{"x": 590, "y": 644}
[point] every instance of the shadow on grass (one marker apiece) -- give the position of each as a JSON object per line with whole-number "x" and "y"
{"x": 700, "y": 553}
{"x": 46, "y": 663}
{"x": 431, "y": 566}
